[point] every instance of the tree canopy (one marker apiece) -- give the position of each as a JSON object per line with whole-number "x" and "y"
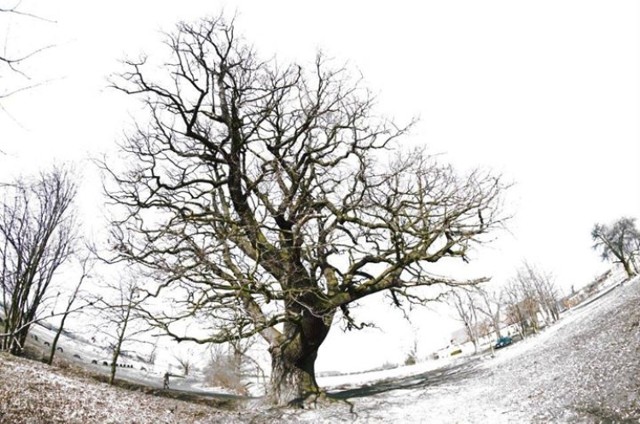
{"x": 263, "y": 198}
{"x": 619, "y": 241}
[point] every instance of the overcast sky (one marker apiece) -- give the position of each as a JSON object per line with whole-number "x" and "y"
{"x": 546, "y": 93}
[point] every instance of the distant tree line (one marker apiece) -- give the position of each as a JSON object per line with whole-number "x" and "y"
{"x": 532, "y": 295}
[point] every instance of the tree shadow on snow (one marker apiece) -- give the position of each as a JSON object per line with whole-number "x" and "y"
{"x": 445, "y": 375}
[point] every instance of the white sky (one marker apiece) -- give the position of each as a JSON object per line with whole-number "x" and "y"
{"x": 545, "y": 92}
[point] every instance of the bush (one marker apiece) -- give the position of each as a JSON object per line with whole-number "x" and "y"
{"x": 224, "y": 371}
{"x": 410, "y": 360}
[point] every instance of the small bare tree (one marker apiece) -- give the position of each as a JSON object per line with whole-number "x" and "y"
{"x": 232, "y": 366}
{"x": 225, "y": 369}
{"x": 71, "y": 306}
{"x": 531, "y": 294}
{"x": 464, "y": 302}
{"x": 37, "y": 237}
{"x": 490, "y": 305}
{"x": 541, "y": 286}
{"x": 412, "y": 354}
{"x": 122, "y": 321}
{"x": 518, "y": 308}
{"x": 619, "y": 241}
{"x": 185, "y": 361}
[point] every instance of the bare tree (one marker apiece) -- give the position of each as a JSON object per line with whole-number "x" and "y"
{"x": 522, "y": 306}
{"x": 69, "y": 307}
{"x": 490, "y": 304}
{"x": 540, "y": 286}
{"x": 513, "y": 309}
{"x": 37, "y": 237}
{"x": 412, "y": 354}
{"x": 619, "y": 241}
{"x": 260, "y": 197}
{"x": 531, "y": 294}
{"x": 225, "y": 368}
{"x": 185, "y": 361}
{"x": 464, "y": 303}
{"x": 122, "y": 323}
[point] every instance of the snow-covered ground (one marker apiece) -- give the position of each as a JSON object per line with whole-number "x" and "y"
{"x": 134, "y": 369}
{"x": 33, "y": 393}
{"x": 585, "y": 368}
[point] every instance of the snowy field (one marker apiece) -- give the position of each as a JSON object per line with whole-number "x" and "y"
{"x": 585, "y": 368}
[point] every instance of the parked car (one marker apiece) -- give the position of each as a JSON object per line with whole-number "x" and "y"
{"x": 502, "y": 342}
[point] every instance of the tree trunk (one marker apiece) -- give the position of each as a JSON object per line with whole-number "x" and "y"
{"x": 292, "y": 376}
{"x": 496, "y": 331}
{"x": 496, "y": 326}
{"x": 114, "y": 362}
{"x": 18, "y": 341}
{"x": 54, "y": 343}
{"x": 628, "y": 269}
{"x": 14, "y": 334}
{"x": 293, "y": 359}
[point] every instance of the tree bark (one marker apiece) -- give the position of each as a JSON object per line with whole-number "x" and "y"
{"x": 19, "y": 339}
{"x": 54, "y": 343}
{"x": 118, "y": 346}
{"x": 293, "y": 357}
{"x": 114, "y": 361}
{"x": 627, "y": 268}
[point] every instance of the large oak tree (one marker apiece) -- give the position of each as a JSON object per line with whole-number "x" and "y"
{"x": 265, "y": 198}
